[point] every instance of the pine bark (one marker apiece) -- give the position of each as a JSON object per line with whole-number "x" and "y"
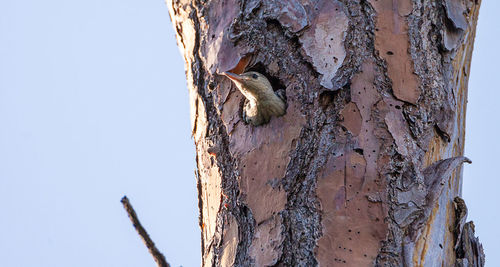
{"x": 364, "y": 169}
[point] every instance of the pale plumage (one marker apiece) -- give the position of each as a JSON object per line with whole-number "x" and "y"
{"x": 262, "y": 103}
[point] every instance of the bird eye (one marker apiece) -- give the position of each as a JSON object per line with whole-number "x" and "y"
{"x": 255, "y": 76}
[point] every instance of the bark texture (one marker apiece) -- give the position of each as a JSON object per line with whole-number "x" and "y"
{"x": 365, "y": 166}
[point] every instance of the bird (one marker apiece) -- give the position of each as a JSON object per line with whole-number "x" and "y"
{"x": 261, "y": 101}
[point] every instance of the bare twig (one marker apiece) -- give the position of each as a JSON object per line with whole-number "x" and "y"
{"x": 158, "y": 257}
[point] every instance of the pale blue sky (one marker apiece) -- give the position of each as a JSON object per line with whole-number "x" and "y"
{"x": 93, "y": 105}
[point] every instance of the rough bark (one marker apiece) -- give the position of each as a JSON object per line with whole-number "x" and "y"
{"x": 365, "y": 167}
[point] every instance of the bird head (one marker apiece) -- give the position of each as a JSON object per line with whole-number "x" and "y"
{"x": 251, "y": 84}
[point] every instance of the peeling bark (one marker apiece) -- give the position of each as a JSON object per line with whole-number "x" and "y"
{"x": 365, "y": 166}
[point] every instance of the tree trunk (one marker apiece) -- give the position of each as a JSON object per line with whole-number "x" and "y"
{"x": 365, "y": 166}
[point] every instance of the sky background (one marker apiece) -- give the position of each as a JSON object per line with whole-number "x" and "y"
{"x": 94, "y": 105}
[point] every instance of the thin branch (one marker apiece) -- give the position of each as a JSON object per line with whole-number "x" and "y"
{"x": 158, "y": 257}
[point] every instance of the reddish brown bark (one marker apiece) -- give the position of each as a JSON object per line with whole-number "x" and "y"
{"x": 364, "y": 168}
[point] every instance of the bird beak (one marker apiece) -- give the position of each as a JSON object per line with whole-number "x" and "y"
{"x": 234, "y": 77}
